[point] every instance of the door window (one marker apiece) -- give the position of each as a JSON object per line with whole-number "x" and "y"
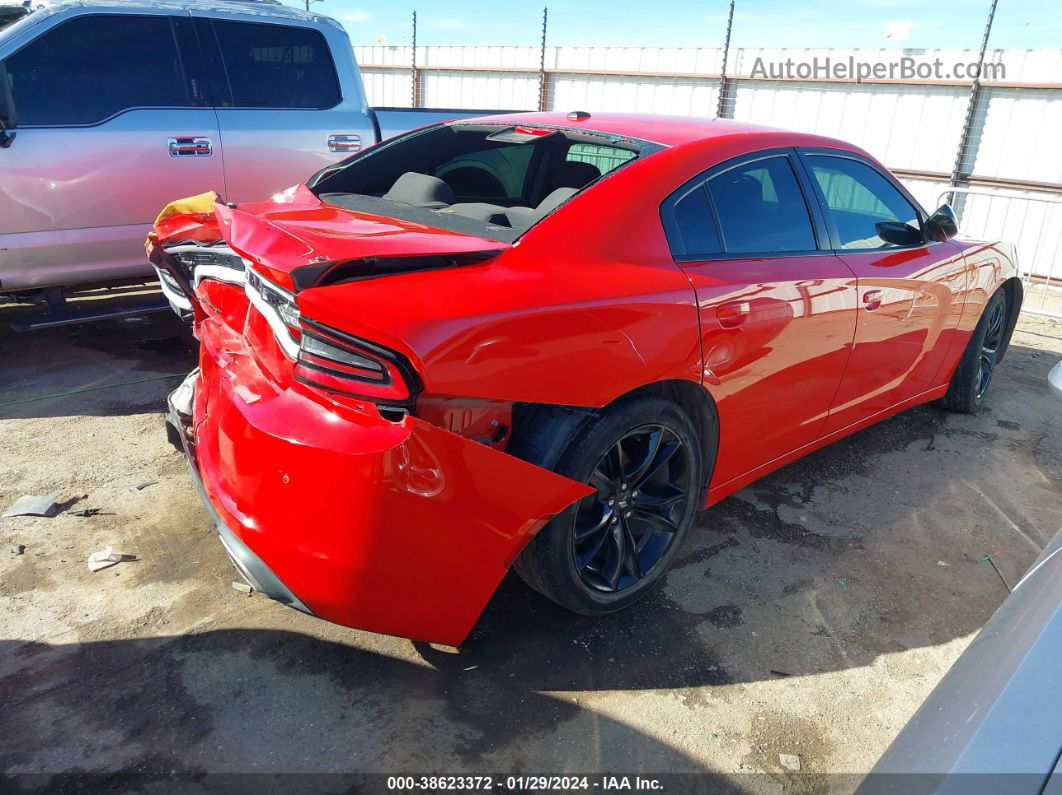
{"x": 276, "y": 66}
{"x": 92, "y": 67}
{"x": 859, "y": 198}
{"x": 761, "y": 208}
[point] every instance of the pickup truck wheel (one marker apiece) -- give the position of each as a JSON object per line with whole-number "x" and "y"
{"x": 968, "y": 385}
{"x": 643, "y": 459}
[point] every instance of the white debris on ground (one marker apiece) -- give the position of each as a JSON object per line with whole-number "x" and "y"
{"x": 106, "y": 558}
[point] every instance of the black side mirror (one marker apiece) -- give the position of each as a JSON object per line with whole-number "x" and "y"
{"x": 898, "y": 233}
{"x": 942, "y": 224}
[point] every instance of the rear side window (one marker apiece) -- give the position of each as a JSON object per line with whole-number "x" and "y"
{"x": 603, "y": 158}
{"x": 695, "y": 225}
{"x": 92, "y": 67}
{"x": 761, "y": 208}
{"x": 859, "y": 198}
{"x": 275, "y": 66}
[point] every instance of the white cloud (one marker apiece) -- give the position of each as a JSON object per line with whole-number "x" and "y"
{"x": 448, "y": 23}
{"x": 898, "y": 30}
{"x": 354, "y": 15}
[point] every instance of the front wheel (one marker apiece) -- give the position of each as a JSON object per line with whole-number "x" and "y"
{"x": 968, "y": 385}
{"x": 644, "y": 460}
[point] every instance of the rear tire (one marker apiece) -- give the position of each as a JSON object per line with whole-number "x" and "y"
{"x": 597, "y": 556}
{"x": 968, "y": 385}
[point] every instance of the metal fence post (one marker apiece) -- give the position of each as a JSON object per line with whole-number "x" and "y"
{"x": 967, "y": 154}
{"x": 413, "y": 71}
{"x": 543, "y": 77}
{"x": 725, "y": 108}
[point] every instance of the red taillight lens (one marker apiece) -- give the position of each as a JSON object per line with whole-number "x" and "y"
{"x": 338, "y": 362}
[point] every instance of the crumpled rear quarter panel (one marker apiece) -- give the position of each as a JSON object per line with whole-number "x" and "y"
{"x": 400, "y": 528}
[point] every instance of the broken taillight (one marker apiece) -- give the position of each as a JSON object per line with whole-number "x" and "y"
{"x": 346, "y": 365}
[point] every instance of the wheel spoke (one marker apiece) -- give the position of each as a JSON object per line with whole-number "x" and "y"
{"x": 585, "y": 559}
{"x": 581, "y": 534}
{"x": 660, "y": 498}
{"x": 632, "y": 564}
{"x": 663, "y": 456}
{"x": 656, "y": 519}
{"x": 615, "y": 462}
{"x": 655, "y": 437}
{"x": 613, "y": 567}
{"x": 600, "y": 481}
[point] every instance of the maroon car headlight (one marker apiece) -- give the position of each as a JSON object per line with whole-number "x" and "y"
{"x": 340, "y": 363}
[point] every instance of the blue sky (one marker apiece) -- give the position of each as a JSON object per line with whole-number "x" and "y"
{"x": 685, "y": 23}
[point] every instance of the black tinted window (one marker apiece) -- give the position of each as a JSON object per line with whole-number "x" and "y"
{"x": 90, "y": 68}
{"x": 859, "y": 198}
{"x": 761, "y": 208}
{"x": 274, "y": 66}
{"x": 695, "y": 225}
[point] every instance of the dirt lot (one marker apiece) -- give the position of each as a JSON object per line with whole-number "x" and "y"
{"x": 808, "y": 615}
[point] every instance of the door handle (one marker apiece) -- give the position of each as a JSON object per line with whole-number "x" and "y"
{"x": 344, "y": 143}
{"x": 191, "y": 146}
{"x": 733, "y": 313}
{"x": 872, "y": 300}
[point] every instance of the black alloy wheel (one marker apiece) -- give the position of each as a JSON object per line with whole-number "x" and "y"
{"x": 623, "y": 530}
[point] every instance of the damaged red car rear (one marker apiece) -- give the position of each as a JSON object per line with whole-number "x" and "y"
{"x": 547, "y": 341}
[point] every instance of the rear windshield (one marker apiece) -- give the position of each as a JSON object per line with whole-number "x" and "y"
{"x": 489, "y": 180}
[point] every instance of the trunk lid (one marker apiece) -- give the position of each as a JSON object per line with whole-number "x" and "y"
{"x": 298, "y": 244}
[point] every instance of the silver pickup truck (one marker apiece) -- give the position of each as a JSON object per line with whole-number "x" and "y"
{"x": 111, "y": 108}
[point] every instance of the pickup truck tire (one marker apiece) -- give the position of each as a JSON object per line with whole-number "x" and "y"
{"x": 609, "y": 549}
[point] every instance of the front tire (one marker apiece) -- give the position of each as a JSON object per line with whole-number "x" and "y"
{"x": 968, "y": 385}
{"x": 645, "y": 461}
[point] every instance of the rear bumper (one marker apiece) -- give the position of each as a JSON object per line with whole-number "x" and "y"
{"x": 257, "y": 574}
{"x": 400, "y": 528}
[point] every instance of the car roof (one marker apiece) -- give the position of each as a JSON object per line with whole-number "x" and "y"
{"x": 260, "y": 8}
{"x": 666, "y": 130}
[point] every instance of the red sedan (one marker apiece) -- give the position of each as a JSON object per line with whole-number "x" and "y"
{"x": 546, "y": 341}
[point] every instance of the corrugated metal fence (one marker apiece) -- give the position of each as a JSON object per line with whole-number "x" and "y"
{"x": 913, "y": 125}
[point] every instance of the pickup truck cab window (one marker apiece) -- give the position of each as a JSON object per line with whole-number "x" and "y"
{"x": 92, "y": 67}
{"x": 859, "y": 198}
{"x": 275, "y": 66}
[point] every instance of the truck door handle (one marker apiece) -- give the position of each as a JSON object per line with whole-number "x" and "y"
{"x": 733, "y": 313}
{"x": 872, "y": 299}
{"x": 191, "y": 146}
{"x": 344, "y": 143}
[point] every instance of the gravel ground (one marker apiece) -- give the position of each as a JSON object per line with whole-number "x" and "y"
{"x": 809, "y": 614}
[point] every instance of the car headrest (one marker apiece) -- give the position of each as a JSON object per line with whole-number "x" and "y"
{"x": 576, "y": 174}
{"x": 420, "y": 190}
{"x": 523, "y": 217}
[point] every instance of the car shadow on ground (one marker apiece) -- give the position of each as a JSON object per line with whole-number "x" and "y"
{"x": 109, "y": 367}
{"x": 271, "y": 701}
